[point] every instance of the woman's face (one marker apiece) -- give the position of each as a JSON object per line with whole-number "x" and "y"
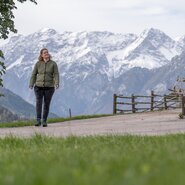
{"x": 45, "y": 54}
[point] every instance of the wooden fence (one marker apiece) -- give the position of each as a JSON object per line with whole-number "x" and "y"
{"x": 139, "y": 103}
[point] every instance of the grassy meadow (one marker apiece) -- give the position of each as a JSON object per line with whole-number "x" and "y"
{"x": 99, "y": 160}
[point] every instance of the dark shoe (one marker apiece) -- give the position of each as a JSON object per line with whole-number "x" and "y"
{"x": 44, "y": 124}
{"x": 38, "y": 124}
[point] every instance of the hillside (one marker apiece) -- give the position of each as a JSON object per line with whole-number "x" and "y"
{"x": 7, "y": 116}
{"x": 17, "y": 105}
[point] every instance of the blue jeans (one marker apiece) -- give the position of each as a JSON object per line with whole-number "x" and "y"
{"x": 41, "y": 93}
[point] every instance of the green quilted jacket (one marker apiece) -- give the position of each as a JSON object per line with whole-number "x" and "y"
{"x": 45, "y": 74}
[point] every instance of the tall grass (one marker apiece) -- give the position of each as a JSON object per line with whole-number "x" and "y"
{"x": 109, "y": 160}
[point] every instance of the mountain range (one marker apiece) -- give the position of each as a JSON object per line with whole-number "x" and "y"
{"x": 95, "y": 65}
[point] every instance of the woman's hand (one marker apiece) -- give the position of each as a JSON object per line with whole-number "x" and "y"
{"x": 56, "y": 86}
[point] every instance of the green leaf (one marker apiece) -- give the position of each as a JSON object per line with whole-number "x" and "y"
{"x": 7, "y": 25}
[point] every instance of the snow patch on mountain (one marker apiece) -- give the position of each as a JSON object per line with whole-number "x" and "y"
{"x": 160, "y": 88}
{"x": 144, "y": 61}
{"x": 16, "y": 63}
{"x": 169, "y": 53}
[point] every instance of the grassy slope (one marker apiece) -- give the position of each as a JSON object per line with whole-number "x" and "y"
{"x": 109, "y": 160}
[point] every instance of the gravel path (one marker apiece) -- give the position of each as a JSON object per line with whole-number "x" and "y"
{"x": 151, "y": 123}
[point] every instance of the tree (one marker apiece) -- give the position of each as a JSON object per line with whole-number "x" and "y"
{"x": 7, "y": 26}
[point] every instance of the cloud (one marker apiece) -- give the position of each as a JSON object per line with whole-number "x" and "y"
{"x": 111, "y": 15}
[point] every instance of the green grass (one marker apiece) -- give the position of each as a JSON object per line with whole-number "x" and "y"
{"x": 50, "y": 120}
{"x": 100, "y": 160}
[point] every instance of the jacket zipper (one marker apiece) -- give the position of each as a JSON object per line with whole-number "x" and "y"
{"x": 44, "y": 72}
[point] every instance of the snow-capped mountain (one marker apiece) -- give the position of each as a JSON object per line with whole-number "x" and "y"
{"x": 92, "y": 65}
{"x": 152, "y": 49}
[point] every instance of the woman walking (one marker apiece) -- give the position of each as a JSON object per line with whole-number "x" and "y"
{"x": 44, "y": 79}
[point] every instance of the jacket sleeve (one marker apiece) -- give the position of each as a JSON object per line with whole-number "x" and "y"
{"x": 56, "y": 74}
{"x": 33, "y": 76}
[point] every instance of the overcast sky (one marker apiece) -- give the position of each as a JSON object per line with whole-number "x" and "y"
{"x": 121, "y": 16}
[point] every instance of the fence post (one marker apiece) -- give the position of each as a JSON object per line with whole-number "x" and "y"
{"x": 70, "y": 113}
{"x": 165, "y": 103}
{"x": 152, "y": 101}
{"x": 179, "y": 105}
{"x": 183, "y": 105}
{"x": 133, "y": 104}
{"x": 114, "y": 104}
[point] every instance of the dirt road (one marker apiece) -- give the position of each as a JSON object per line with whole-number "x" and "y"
{"x": 151, "y": 123}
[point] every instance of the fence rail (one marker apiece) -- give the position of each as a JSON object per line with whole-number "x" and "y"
{"x": 143, "y": 103}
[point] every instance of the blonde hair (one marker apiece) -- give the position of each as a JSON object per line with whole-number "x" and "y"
{"x": 40, "y": 56}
